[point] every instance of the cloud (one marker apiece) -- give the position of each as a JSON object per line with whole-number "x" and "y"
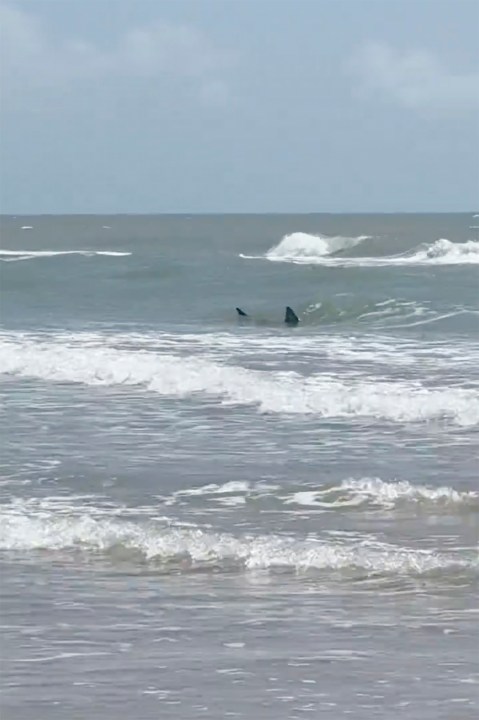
{"x": 415, "y": 79}
{"x": 32, "y": 59}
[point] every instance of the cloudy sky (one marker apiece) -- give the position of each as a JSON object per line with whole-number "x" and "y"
{"x": 239, "y": 105}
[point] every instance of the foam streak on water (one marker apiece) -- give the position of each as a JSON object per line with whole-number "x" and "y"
{"x": 13, "y": 255}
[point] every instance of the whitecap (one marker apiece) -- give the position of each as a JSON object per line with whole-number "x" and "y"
{"x": 302, "y": 248}
{"x": 269, "y": 391}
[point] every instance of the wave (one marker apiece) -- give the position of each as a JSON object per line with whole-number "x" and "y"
{"x": 365, "y": 493}
{"x": 15, "y": 255}
{"x": 386, "y": 495}
{"x": 234, "y": 492}
{"x": 301, "y": 248}
{"x": 376, "y": 349}
{"x": 191, "y": 548}
{"x": 445, "y": 252}
{"x": 389, "y": 311}
{"x": 268, "y": 391}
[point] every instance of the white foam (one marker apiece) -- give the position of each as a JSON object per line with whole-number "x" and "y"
{"x": 303, "y": 248}
{"x": 374, "y": 491}
{"x": 27, "y": 227}
{"x": 351, "y": 349}
{"x": 234, "y": 492}
{"x": 445, "y": 252}
{"x": 319, "y": 250}
{"x": 24, "y": 531}
{"x": 314, "y": 498}
{"x": 270, "y": 391}
{"x": 234, "y": 486}
{"x": 12, "y": 255}
{"x": 112, "y": 253}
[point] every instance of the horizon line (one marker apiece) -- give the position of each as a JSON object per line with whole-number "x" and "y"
{"x": 230, "y": 213}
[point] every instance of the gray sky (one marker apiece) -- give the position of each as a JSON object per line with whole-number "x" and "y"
{"x": 239, "y": 105}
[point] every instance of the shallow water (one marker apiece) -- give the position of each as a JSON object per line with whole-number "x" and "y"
{"x": 203, "y": 516}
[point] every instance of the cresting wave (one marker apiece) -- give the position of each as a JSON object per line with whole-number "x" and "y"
{"x": 269, "y": 391}
{"x": 374, "y": 492}
{"x": 24, "y": 530}
{"x": 15, "y": 255}
{"x": 445, "y": 252}
{"x": 302, "y": 248}
{"x": 364, "y": 493}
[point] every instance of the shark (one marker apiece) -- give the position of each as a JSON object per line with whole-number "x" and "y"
{"x": 290, "y": 317}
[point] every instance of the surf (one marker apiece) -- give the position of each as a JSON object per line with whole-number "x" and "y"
{"x": 16, "y": 255}
{"x": 29, "y": 527}
{"x": 304, "y": 249}
{"x": 200, "y": 378}
{"x": 300, "y": 247}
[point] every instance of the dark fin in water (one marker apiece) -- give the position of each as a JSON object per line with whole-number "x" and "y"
{"x": 291, "y": 318}
{"x": 241, "y": 312}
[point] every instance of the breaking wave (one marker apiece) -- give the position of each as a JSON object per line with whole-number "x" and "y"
{"x": 23, "y": 529}
{"x": 15, "y": 255}
{"x": 386, "y": 495}
{"x": 445, "y": 252}
{"x": 366, "y": 493}
{"x": 269, "y": 391}
{"x": 302, "y": 248}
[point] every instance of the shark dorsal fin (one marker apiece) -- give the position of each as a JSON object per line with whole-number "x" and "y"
{"x": 290, "y": 317}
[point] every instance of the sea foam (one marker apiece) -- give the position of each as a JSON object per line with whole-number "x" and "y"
{"x": 269, "y": 391}
{"x": 15, "y": 255}
{"x": 26, "y": 530}
{"x": 302, "y": 248}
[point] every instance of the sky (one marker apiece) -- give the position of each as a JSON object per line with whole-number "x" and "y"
{"x": 198, "y": 106}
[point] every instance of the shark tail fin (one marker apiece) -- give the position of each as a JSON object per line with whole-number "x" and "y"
{"x": 241, "y": 312}
{"x": 290, "y": 317}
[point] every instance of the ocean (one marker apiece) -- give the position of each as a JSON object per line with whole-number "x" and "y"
{"x": 212, "y": 516}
